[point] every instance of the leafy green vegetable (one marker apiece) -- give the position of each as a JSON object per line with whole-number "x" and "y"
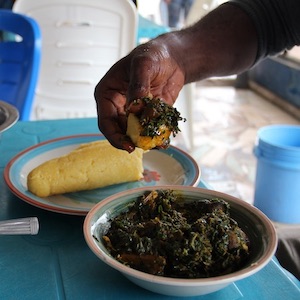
{"x": 163, "y": 235}
{"x": 156, "y": 114}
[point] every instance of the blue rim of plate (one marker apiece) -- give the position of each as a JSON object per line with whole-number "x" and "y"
{"x": 81, "y": 202}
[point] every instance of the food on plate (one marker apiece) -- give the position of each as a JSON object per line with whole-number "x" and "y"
{"x": 91, "y": 165}
{"x": 163, "y": 234}
{"x": 152, "y": 127}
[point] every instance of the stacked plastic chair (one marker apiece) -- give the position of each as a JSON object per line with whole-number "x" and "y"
{"x": 81, "y": 41}
{"x": 20, "y": 60}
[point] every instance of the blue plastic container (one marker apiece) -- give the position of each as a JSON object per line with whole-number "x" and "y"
{"x": 277, "y": 183}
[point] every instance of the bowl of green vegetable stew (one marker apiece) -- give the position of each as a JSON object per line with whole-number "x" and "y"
{"x": 180, "y": 240}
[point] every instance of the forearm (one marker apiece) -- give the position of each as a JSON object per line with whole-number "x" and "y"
{"x": 224, "y": 42}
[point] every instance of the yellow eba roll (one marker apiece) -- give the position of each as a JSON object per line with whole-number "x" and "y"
{"x": 146, "y": 142}
{"x": 92, "y": 165}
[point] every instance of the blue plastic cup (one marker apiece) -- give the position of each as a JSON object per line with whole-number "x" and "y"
{"x": 277, "y": 182}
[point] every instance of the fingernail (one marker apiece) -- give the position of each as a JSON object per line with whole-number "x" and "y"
{"x": 126, "y": 145}
{"x": 135, "y": 106}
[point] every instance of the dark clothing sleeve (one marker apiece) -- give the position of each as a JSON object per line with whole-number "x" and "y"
{"x": 277, "y": 24}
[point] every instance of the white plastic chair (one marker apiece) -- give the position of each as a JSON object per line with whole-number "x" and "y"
{"x": 184, "y": 105}
{"x": 81, "y": 40}
{"x": 186, "y": 97}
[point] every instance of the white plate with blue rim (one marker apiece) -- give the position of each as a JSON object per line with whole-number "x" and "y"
{"x": 170, "y": 166}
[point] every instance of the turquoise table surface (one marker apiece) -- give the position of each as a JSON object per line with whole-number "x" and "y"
{"x": 57, "y": 263}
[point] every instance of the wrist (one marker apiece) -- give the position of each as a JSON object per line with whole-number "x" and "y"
{"x": 222, "y": 43}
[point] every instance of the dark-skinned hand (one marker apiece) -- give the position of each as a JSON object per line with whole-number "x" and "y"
{"x": 149, "y": 70}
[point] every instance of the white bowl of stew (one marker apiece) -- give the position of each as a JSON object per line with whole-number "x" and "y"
{"x": 167, "y": 275}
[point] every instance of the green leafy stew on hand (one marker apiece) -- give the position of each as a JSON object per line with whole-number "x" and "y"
{"x": 157, "y": 113}
{"x": 163, "y": 235}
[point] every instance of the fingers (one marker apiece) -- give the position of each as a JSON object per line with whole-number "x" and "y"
{"x": 145, "y": 76}
{"x": 136, "y": 106}
{"x": 112, "y": 120}
{"x": 153, "y": 73}
{"x": 115, "y": 134}
{"x": 140, "y": 79}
